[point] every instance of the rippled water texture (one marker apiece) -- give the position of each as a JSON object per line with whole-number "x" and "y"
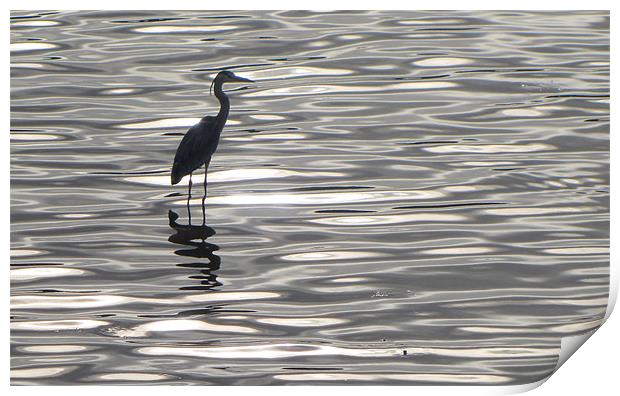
{"x": 401, "y": 198}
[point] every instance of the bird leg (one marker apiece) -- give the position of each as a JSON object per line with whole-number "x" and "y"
{"x": 204, "y": 219}
{"x": 189, "y": 197}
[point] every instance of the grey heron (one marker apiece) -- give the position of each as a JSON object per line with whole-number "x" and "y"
{"x": 201, "y": 140}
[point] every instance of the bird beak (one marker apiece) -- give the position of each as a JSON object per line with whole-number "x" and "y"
{"x": 241, "y": 79}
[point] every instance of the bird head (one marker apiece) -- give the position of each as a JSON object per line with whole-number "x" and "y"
{"x": 227, "y": 76}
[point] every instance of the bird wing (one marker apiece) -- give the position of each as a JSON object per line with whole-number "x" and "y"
{"x": 195, "y": 149}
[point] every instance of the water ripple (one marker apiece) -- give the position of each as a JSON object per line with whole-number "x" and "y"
{"x": 402, "y": 197}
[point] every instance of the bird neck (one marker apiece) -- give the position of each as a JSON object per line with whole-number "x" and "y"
{"x": 224, "y": 105}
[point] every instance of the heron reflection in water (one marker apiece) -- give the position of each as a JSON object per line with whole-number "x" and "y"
{"x": 195, "y": 237}
{"x": 201, "y": 140}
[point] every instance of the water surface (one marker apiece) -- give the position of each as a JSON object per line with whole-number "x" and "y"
{"x": 401, "y": 198}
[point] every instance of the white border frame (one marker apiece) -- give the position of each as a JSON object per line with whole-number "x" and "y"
{"x": 593, "y": 367}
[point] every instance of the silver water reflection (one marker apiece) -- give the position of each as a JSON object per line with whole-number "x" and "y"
{"x": 403, "y": 197}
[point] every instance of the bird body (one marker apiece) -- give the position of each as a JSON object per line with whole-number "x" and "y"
{"x": 196, "y": 148}
{"x": 201, "y": 140}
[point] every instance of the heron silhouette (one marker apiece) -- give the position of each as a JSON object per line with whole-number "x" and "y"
{"x": 201, "y": 140}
